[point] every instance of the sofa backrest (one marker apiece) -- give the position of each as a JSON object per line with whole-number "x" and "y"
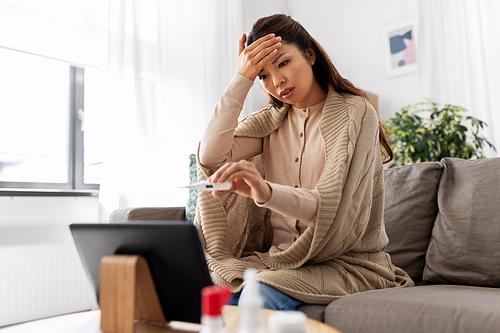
{"x": 443, "y": 220}
{"x": 410, "y": 210}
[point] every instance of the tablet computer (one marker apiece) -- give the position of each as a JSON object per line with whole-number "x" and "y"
{"x": 172, "y": 249}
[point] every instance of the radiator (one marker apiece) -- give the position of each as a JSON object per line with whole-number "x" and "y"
{"x": 38, "y": 281}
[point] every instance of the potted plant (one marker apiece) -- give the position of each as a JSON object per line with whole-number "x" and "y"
{"x": 425, "y": 132}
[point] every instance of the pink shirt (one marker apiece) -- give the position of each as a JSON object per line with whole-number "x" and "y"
{"x": 294, "y": 157}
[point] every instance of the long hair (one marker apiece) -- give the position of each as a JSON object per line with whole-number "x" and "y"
{"x": 324, "y": 71}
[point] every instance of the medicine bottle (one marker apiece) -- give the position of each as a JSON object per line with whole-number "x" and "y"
{"x": 213, "y": 298}
{"x": 251, "y": 319}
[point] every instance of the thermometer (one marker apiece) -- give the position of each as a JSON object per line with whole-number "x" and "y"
{"x": 208, "y": 186}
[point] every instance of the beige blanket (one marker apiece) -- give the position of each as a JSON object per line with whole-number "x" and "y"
{"x": 341, "y": 252}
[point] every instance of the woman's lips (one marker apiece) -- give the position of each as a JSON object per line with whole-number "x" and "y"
{"x": 286, "y": 93}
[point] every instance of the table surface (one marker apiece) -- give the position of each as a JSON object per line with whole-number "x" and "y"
{"x": 89, "y": 322}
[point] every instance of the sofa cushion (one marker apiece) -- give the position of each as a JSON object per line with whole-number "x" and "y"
{"x": 465, "y": 244}
{"x": 409, "y": 214}
{"x": 430, "y": 308}
{"x": 313, "y": 311}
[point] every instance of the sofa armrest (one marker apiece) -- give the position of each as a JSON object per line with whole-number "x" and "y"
{"x": 148, "y": 214}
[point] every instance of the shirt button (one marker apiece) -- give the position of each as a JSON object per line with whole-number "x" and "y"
{"x": 301, "y": 134}
{"x": 305, "y": 110}
{"x": 296, "y": 186}
{"x": 297, "y": 159}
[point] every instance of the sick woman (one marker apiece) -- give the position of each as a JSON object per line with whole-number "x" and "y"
{"x": 307, "y": 202}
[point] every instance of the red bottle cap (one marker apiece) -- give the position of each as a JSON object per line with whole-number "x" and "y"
{"x": 213, "y": 298}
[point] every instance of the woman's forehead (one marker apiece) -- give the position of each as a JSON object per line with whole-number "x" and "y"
{"x": 287, "y": 48}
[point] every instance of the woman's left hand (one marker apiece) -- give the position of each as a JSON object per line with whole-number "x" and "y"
{"x": 246, "y": 181}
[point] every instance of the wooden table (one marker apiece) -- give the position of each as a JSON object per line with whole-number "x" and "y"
{"x": 232, "y": 316}
{"x": 89, "y": 322}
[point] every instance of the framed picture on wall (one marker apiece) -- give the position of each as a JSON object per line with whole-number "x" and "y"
{"x": 401, "y": 47}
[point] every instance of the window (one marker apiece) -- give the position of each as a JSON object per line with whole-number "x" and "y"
{"x": 47, "y": 140}
{"x": 48, "y": 73}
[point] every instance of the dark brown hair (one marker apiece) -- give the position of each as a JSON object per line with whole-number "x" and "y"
{"x": 326, "y": 74}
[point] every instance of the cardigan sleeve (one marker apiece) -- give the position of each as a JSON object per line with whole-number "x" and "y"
{"x": 218, "y": 144}
{"x": 300, "y": 204}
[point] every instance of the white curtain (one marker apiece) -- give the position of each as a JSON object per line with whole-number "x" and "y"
{"x": 460, "y": 52}
{"x": 72, "y": 31}
{"x": 169, "y": 62}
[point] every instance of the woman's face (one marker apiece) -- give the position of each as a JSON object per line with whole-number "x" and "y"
{"x": 289, "y": 77}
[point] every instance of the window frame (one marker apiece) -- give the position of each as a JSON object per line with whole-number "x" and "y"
{"x": 75, "y": 185}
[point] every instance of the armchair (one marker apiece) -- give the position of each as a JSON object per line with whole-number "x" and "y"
{"x": 148, "y": 214}
{"x": 162, "y": 213}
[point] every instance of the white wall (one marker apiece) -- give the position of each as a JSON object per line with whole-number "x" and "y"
{"x": 35, "y": 220}
{"x": 351, "y": 32}
{"x": 41, "y": 273}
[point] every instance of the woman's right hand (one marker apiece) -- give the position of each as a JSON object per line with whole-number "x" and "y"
{"x": 252, "y": 59}
{"x": 246, "y": 180}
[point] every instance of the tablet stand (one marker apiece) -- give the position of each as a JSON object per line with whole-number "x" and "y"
{"x": 127, "y": 295}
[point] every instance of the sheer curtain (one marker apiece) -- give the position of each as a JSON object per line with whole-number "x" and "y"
{"x": 460, "y": 55}
{"x": 169, "y": 62}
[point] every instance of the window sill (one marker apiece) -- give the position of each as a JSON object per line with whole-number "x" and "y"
{"x": 14, "y": 192}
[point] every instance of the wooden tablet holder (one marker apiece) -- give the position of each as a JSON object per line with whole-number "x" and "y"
{"x": 127, "y": 295}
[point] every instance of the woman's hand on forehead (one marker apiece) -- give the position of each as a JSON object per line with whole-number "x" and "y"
{"x": 253, "y": 58}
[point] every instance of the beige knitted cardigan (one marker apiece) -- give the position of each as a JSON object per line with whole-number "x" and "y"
{"x": 341, "y": 252}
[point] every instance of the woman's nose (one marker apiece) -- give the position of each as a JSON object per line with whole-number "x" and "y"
{"x": 278, "y": 80}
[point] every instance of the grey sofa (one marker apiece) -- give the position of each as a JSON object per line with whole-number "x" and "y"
{"x": 443, "y": 223}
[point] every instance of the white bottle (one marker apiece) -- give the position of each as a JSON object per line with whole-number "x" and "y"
{"x": 287, "y": 322}
{"x": 251, "y": 320}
